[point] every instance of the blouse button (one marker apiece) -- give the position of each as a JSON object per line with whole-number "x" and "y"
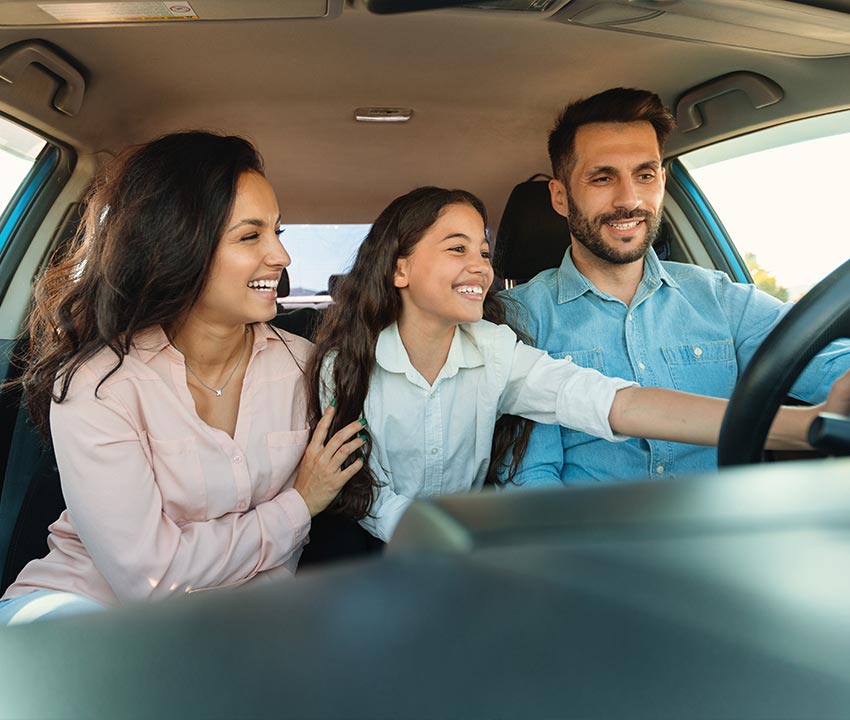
{"x": 697, "y": 351}
{"x": 237, "y": 459}
{"x": 242, "y": 505}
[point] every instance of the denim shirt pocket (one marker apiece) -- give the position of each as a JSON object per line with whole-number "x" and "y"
{"x": 584, "y": 358}
{"x": 706, "y": 368}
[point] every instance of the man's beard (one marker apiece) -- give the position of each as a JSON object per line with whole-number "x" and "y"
{"x": 589, "y": 232}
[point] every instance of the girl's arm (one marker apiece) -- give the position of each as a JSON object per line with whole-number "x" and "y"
{"x": 662, "y": 414}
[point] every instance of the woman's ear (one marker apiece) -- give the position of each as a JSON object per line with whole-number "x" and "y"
{"x": 400, "y": 275}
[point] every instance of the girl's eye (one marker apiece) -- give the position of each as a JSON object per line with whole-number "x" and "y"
{"x": 252, "y": 236}
{"x": 279, "y": 230}
{"x": 457, "y": 248}
{"x": 485, "y": 254}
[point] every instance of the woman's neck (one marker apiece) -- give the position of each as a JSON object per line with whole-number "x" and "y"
{"x": 210, "y": 348}
{"x": 427, "y": 346}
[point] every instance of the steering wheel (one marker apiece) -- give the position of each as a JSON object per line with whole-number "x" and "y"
{"x": 821, "y": 316}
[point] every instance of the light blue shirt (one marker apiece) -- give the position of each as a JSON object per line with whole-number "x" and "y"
{"x": 687, "y": 328}
{"x": 435, "y": 439}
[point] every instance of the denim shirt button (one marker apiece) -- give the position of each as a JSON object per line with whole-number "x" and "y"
{"x": 698, "y": 351}
{"x": 641, "y": 366}
{"x": 568, "y": 358}
{"x": 659, "y": 470}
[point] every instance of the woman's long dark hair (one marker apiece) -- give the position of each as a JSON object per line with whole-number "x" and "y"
{"x": 367, "y": 301}
{"x": 141, "y": 256}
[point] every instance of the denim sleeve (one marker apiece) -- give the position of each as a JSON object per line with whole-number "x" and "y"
{"x": 753, "y": 314}
{"x": 541, "y": 466}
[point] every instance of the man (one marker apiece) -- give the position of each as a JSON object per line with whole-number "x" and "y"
{"x": 613, "y": 306}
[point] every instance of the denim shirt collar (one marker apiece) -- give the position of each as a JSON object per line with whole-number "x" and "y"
{"x": 572, "y": 284}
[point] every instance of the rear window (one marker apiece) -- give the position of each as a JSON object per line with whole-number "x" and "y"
{"x": 320, "y": 254}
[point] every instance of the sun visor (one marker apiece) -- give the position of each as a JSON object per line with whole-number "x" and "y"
{"x": 71, "y": 12}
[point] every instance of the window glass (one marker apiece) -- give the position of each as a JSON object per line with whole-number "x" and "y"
{"x": 19, "y": 149}
{"x": 778, "y": 193}
{"x": 318, "y": 253}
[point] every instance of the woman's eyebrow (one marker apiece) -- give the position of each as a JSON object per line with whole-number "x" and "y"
{"x": 253, "y": 222}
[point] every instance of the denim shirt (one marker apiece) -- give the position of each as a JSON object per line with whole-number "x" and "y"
{"x": 687, "y": 328}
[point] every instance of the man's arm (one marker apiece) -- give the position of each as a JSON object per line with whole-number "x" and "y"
{"x": 543, "y": 461}
{"x": 753, "y": 314}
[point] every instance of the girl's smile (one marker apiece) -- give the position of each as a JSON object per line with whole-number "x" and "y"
{"x": 444, "y": 281}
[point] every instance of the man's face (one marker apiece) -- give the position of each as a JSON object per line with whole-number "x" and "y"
{"x": 615, "y": 191}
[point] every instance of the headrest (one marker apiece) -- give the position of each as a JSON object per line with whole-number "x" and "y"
{"x": 533, "y": 237}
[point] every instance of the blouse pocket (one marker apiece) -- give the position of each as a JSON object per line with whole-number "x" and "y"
{"x": 707, "y": 368}
{"x": 584, "y": 358}
{"x": 285, "y": 451}
{"x": 179, "y": 475}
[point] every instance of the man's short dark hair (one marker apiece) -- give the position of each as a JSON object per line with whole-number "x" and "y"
{"x": 617, "y": 105}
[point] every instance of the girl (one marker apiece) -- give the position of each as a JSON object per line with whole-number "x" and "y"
{"x": 178, "y": 416}
{"x": 416, "y": 346}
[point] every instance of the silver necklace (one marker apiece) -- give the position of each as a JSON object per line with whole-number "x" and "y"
{"x": 197, "y": 377}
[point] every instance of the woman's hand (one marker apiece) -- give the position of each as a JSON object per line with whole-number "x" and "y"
{"x": 321, "y": 476}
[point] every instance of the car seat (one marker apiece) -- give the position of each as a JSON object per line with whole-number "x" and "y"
{"x": 532, "y": 236}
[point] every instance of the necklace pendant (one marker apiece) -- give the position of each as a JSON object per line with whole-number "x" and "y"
{"x": 218, "y": 392}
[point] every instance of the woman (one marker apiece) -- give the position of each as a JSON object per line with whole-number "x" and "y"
{"x": 178, "y": 416}
{"x": 417, "y": 346}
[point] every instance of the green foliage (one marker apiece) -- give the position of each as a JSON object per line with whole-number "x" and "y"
{"x": 763, "y": 279}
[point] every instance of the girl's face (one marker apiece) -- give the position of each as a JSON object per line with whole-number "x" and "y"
{"x": 249, "y": 260}
{"x": 444, "y": 280}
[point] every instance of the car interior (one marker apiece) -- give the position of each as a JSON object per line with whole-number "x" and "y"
{"x": 737, "y": 579}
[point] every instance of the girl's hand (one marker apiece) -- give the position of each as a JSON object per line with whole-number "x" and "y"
{"x": 838, "y": 401}
{"x": 320, "y": 476}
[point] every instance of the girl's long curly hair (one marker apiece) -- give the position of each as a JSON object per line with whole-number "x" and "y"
{"x": 367, "y": 301}
{"x": 141, "y": 256}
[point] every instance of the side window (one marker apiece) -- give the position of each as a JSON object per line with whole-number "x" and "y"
{"x": 778, "y": 193}
{"x": 19, "y": 150}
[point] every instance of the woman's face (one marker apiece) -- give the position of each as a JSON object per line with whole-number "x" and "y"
{"x": 249, "y": 260}
{"x": 444, "y": 280}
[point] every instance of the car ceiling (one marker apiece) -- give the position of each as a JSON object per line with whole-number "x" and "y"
{"x": 484, "y": 87}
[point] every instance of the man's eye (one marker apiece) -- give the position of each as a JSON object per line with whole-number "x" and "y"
{"x": 601, "y": 180}
{"x": 646, "y": 177}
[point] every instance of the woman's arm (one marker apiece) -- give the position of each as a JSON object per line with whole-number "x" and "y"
{"x": 117, "y": 508}
{"x": 662, "y": 414}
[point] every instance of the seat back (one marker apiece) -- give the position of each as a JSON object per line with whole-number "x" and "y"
{"x": 533, "y": 237}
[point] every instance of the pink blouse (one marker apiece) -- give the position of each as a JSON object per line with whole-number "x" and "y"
{"x": 158, "y": 501}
